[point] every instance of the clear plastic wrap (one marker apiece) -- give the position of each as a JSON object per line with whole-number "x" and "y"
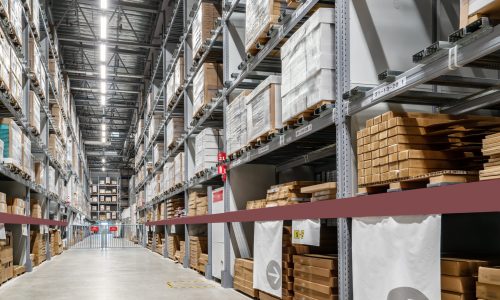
{"x": 208, "y": 143}
{"x": 236, "y": 127}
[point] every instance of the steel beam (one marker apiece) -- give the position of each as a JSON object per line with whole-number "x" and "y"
{"x": 109, "y": 42}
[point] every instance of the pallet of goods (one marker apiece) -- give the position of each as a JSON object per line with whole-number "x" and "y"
{"x": 181, "y": 253}
{"x": 197, "y": 246}
{"x": 56, "y": 244}
{"x": 155, "y": 124}
{"x": 203, "y": 23}
{"x": 28, "y": 172}
{"x": 38, "y": 247}
{"x": 173, "y": 245}
{"x": 287, "y": 193}
{"x": 175, "y": 208}
{"x": 6, "y": 258}
{"x": 4, "y": 63}
{"x": 178, "y": 77}
{"x": 458, "y": 278}
{"x": 11, "y": 135}
{"x": 491, "y": 149}
{"x": 398, "y": 151}
{"x": 157, "y": 153}
{"x": 261, "y": 16}
{"x": 16, "y": 206}
{"x": 34, "y": 116}
{"x": 243, "y": 277}
{"x": 206, "y": 85}
{"x": 256, "y": 204}
{"x": 175, "y": 127}
{"x": 36, "y": 210}
{"x": 236, "y": 127}
{"x": 179, "y": 175}
{"x": 170, "y": 90}
{"x": 488, "y": 283}
{"x": 194, "y": 198}
{"x": 15, "y": 18}
{"x": 16, "y": 77}
{"x": 35, "y": 64}
{"x": 315, "y": 277}
{"x": 208, "y": 144}
{"x": 308, "y": 68}
{"x": 264, "y": 111}
{"x": 3, "y": 203}
{"x": 320, "y": 192}
{"x": 473, "y": 10}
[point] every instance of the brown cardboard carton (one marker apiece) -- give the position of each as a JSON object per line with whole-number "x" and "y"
{"x": 315, "y": 260}
{"x": 487, "y": 291}
{"x": 489, "y": 275}
{"x": 457, "y": 296}
{"x": 457, "y": 284}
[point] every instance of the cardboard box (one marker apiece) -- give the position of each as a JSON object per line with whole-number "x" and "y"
{"x": 461, "y": 267}
{"x": 11, "y": 135}
{"x": 457, "y": 284}
{"x": 457, "y": 296}
{"x": 489, "y": 275}
{"x": 206, "y": 84}
{"x": 487, "y": 291}
{"x": 260, "y": 16}
{"x": 203, "y": 23}
{"x": 316, "y": 260}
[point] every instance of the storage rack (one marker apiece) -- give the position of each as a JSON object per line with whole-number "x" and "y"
{"x": 56, "y": 212}
{"x": 115, "y": 206}
{"x": 471, "y": 48}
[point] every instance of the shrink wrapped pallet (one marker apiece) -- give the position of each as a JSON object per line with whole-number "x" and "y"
{"x": 34, "y": 60}
{"x": 34, "y": 118}
{"x": 26, "y": 157}
{"x": 208, "y": 143}
{"x": 34, "y": 16}
{"x": 16, "y": 18}
{"x": 260, "y": 16}
{"x": 58, "y": 118}
{"x": 140, "y": 129}
{"x": 264, "y": 108}
{"x": 11, "y": 136}
{"x": 4, "y": 61}
{"x": 154, "y": 124}
{"x": 52, "y": 180}
{"x": 178, "y": 75}
{"x": 175, "y": 127}
{"x": 56, "y": 148}
{"x": 16, "y": 78}
{"x": 206, "y": 84}
{"x": 237, "y": 123}
{"x": 179, "y": 169}
{"x": 203, "y": 23}
{"x": 308, "y": 65}
{"x": 157, "y": 153}
{"x": 171, "y": 94}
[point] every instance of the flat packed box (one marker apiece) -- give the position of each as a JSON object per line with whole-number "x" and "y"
{"x": 203, "y": 23}
{"x": 11, "y": 135}
{"x": 34, "y": 116}
{"x": 461, "y": 266}
{"x": 487, "y": 291}
{"x": 236, "y": 128}
{"x": 175, "y": 127}
{"x": 260, "y": 16}
{"x": 208, "y": 144}
{"x": 206, "y": 85}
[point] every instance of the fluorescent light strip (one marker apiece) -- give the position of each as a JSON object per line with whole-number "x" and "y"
{"x": 104, "y": 4}
{"x": 103, "y": 71}
{"x": 102, "y": 52}
{"x": 103, "y": 100}
{"x": 104, "y": 25}
{"x": 103, "y": 87}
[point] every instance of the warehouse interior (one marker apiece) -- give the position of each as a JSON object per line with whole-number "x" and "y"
{"x": 250, "y": 149}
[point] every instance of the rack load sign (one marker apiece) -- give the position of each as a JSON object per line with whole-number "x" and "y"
{"x": 94, "y": 229}
{"x": 218, "y": 196}
{"x": 113, "y": 228}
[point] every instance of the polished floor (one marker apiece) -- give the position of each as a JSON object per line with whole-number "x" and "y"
{"x": 120, "y": 274}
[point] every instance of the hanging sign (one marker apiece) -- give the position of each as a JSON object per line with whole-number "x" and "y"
{"x": 94, "y": 229}
{"x": 396, "y": 258}
{"x": 218, "y": 195}
{"x": 268, "y": 260}
{"x": 306, "y": 232}
{"x": 3, "y": 236}
{"x": 113, "y": 228}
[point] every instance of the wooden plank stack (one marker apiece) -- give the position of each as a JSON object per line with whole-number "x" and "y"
{"x": 38, "y": 247}
{"x": 289, "y": 250}
{"x": 320, "y": 192}
{"x": 197, "y": 246}
{"x": 198, "y": 203}
{"x": 315, "y": 277}
{"x": 287, "y": 193}
{"x": 255, "y": 204}
{"x": 458, "y": 278}
{"x": 203, "y": 262}
{"x": 398, "y": 147}
{"x": 175, "y": 208}
{"x": 491, "y": 148}
{"x": 488, "y": 285}
{"x": 173, "y": 245}
{"x": 181, "y": 253}
{"x": 6, "y": 258}
{"x": 16, "y": 206}
{"x": 243, "y": 277}
{"x": 470, "y": 13}
{"x": 56, "y": 245}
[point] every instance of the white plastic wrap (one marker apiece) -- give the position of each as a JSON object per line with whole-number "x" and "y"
{"x": 179, "y": 169}
{"x": 206, "y": 84}
{"x": 237, "y": 123}
{"x": 260, "y": 15}
{"x": 203, "y": 23}
{"x": 175, "y": 127}
{"x": 170, "y": 91}
{"x": 208, "y": 143}
{"x": 264, "y": 108}
{"x": 308, "y": 63}
{"x": 178, "y": 74}
{"x": 34, "y": 119}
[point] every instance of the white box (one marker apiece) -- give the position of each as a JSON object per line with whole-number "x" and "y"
{"x": 236, "y": 132}
{"x": 179, "y": 176}
{"x": 208, "y": 143}
{"x": 175, "y": 128}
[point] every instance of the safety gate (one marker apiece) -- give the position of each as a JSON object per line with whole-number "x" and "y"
{"x": 103, "y": 236}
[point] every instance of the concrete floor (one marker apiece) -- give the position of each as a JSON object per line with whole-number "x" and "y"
{"x": 122, "y": 274}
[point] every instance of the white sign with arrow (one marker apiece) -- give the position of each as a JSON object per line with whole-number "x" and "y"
{"x": 268, "y": 240}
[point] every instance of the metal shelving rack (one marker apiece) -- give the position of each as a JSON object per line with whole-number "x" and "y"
{"x": 334, "y": 126}
{"x": 56, "y": 211}
{"x": 116, "y": 205}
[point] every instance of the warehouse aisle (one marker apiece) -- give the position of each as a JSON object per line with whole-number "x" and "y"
{"x": 122, "y": 274}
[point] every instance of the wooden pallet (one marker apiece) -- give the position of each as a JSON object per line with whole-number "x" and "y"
{"x": 433, "y": 179}
{"x": 307, "y": 115}
{"x": 14, "y": 168}
{"x": 200, "y": 174}
{"x": 262, "y": 139}
{"x": 200, "y": 112}
{"x": 235, "y": 155}
{"x": 262, "y": 39}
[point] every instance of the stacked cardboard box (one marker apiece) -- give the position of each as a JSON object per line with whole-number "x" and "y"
{"x": 308, "y": 64}
{"x": 11, "y": 135}
{"x": 35, "y": 62}
{"x": 208, "y": 144}
{"x": 26, "y": 156}
{"x": 472, "y": 10}
{"x": 488, "y": 285}
{"x": 173, "y": 244}
{"x": 38, "y": 247}
{"x": 203, "y": 23}
{"x": 458, "y": 278}
{"x": 320, "y": 192}
{"x": 202, "y": 262}
{"x": 56, "y": 148}
{"x": 16, "y": 206}
{"x": 16, "y": 78}
{"x": 289, "y": 250}
{"x": 181, "y": 253}
{"x": 287, "y": 193}
{"x": 175, "y": 128}
{"x": 175, "y": 208}
{"x": 179, "y": 176}
{"x": 206, "y": 84}
{"x": 157, "y": 153}
{"x": 236, "y": 128}
{"x": 154, "y": 125}
{"x": 56, "y": 244}
{"x": 178, "y": 76}
{"x": 197, "y": 246}
{"x": 36, "y": 210}
{"x": 195, "y": 199}
{"x": 34, "y": 116}
{"x": 491, "y": 149}
{"x": 315, "y": 277}
{"x": 171, "y": 93}
{"x": 396, "y": 146}
{"x": 261, "y": 15}
{"x": 264, "y": 109}
{"x": 3, "y": 203}
{"x": 243, "y": 277}
{"x": 159, "y": 243}
{"x": 255, "y": 204}
{"x": 6, "y": 258}
{"x": 58, "y": 119}
{"x": 40, "y": 173}
{"x": 4, "y": 61}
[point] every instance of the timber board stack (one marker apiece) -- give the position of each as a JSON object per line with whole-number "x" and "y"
{"x": 491, "y": 148}
{"x": 198, "y": 245}
{"x": 38, "y": 247}
{"x": 322, "y": 191}
{"x": 398, "y": 151}
{"x": 175, "y": 208}
{"x": 56, "y": 245}
{"x": 173, "y": 245}
{"x": 315, "y": 277}
{"x": 243, "y": 277}
{"x": 197, "y": 203}
{"x": 287, "y": 194}
{"x": 458, "y": 278}
{"x": 488, "y": 285}
{"x": 6, "y": 258}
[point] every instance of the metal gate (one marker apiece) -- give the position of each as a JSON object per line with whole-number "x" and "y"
{"x": 103, "y": 236}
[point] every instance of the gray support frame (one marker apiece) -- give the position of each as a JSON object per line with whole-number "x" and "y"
{"x": 27, "y": 249}
{"x": 346, "y": 171}
{"x": 208, "y": 267}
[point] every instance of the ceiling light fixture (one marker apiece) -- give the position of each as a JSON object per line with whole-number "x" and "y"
{"x": 103, "y": 134}
{"x": 103, "y": 100}
{"x": 104, "y": 25}
{"x": 103, "y": 126}
{"x": 103, "y": 169}
{"x": 103, "y": 87}
{"x": 103, "y": 71}
{"x": 103, "y": 140}
{"x": 104, "y": 4}
{"x": 102, "y": 52}
{"x": 103, "y": 160}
